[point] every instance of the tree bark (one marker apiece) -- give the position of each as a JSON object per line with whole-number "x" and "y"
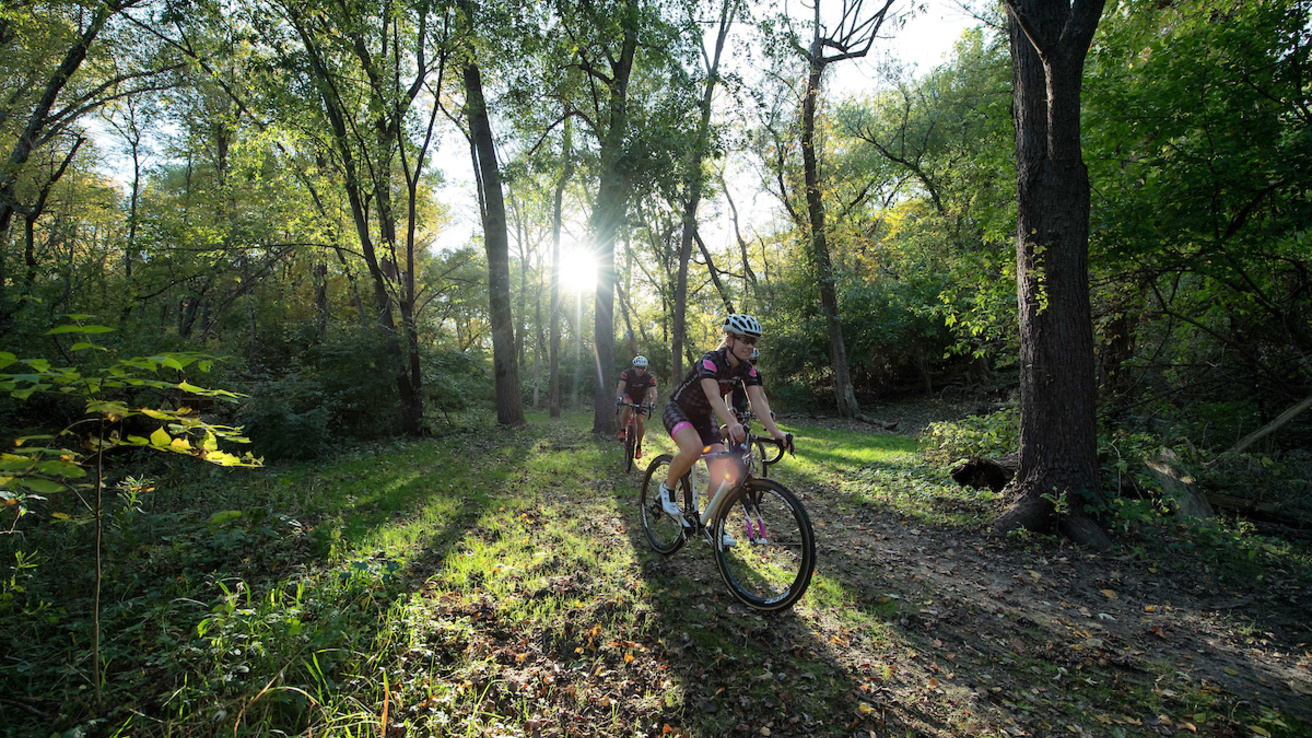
{"x": 607, "y": 217}
{"x": 843, "y": 393}
{"x": 510, "y": 405}
{"x": 1058, "y": 443}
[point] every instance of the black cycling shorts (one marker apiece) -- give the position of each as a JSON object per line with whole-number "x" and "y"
{"x": 674, "y": 416}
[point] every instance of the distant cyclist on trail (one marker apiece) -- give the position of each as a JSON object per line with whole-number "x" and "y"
{"x": 690, "y": 415}
{"x": 640, "y": 388}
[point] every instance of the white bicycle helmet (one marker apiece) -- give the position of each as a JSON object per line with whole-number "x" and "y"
{"x": 640, "y": 361}
{"x": 743, "y": 325}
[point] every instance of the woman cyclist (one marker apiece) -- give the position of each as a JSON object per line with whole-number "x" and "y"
{"x": 640, "y": 389}
{"x": 690, "y": 415}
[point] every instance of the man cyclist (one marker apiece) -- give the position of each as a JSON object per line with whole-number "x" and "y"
{"x": 696, "y": 403}
{"x": 639, "y": 387}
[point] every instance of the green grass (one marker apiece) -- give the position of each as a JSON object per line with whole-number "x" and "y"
{"x": 496, "y": 582}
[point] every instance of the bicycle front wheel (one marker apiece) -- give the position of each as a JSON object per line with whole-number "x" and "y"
{"x": 629, "y": 442}
{"x": 770, "y": 565}
{"x": 664, "y": 533}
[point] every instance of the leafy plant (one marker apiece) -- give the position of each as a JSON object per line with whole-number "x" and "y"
{"x": 995, "y": 434}
{"x": 111, "y": 391}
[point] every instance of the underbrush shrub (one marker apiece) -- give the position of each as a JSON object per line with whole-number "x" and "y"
{"x": 975, "y": 436}
{"x": 343, "y": 387}
{"x": 456, "y": 380}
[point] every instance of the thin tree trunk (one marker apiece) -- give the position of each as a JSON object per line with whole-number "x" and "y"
{"x": 510, "y": 406}
{"x": 607, "y": 219}
{"x": 693, "y": 194}
{"x": 567, "y": 155}
{"x": 843, "y": 394}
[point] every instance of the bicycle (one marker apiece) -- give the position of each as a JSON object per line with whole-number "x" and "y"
{"x": 769, "y": 564}
{"x": 631, "y": 432}
{"x": 746, "y": 417}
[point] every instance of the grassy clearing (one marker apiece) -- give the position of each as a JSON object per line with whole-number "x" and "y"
{"x": 494, "y": 583}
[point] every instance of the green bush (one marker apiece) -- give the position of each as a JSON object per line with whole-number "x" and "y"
{"x": 992, "y": 435}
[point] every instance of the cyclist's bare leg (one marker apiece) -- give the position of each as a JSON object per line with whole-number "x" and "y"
{"x": 690, "y": 450}
{"x": 642, "y": 429}
{"x": 624, "y": 417}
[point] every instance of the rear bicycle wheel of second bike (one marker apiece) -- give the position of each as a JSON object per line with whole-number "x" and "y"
{"x": 771, "y": 563}
{"x": 664, "y": 533}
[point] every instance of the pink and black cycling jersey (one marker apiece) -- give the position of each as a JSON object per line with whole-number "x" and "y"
{"x": 636, "y": 387}
{"x": 689, "y": 395}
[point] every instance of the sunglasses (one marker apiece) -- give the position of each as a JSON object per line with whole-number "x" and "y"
{"x": 749, "y": 340}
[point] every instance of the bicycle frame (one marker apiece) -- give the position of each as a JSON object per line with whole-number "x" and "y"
{"x": 743, "y": 457}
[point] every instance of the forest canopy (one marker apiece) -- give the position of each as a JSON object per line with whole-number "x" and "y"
{"x": 263, "y": 181}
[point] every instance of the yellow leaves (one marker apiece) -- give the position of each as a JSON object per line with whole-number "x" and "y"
{"x": 1259, "y": 730}
{"x": 628, "y": 658}
{"x": 1110, "y": 594}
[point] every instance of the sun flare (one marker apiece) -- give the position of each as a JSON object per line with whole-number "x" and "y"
{"x": 578, "y": 270}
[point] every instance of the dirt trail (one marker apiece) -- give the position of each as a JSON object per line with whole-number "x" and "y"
{"x": 995, "y": 616}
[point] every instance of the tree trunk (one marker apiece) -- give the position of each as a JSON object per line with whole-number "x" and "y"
{"x": 510, "y": 405}
{"x": 1058, "y": 444}
{"x": 607, "y": 218}
{"x": 693, "y": 194}
{"x": 567, "y": 155}
{"x": 843, "y": 394}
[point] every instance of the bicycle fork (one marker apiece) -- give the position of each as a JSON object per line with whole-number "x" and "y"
{"x": 755, "y": 528}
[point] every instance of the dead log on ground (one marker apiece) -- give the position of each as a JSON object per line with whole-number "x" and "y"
{"x": 1178, "y": 486}
{"x": 979, "y": 473}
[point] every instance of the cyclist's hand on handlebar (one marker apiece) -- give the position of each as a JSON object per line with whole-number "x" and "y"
{"x": 619, "y": 401}
{"x": 737, "y": 432}
{"x": 785, "y": 441}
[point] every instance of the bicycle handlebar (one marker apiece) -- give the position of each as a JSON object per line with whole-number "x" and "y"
{"x": 785, "y": 444}
{"x": 643, "y": 408}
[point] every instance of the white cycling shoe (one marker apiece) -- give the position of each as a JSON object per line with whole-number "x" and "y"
{"x": 668, "y": 504}
{"x": 726, "y": 540}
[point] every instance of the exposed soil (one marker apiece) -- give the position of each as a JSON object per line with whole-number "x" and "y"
{"x": 986, "y": 606}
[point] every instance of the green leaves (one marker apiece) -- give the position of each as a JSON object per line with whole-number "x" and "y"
{"x": 30, "y": 472}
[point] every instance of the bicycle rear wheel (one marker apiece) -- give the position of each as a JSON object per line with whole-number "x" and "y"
{"x": 664, "y": 533}
{"x": 771, "y": 564}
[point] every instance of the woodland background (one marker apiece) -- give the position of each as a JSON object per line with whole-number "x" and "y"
{"x": 222, "y": 217}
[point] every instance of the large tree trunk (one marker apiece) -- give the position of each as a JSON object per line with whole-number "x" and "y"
{"x": 510, "y": 406}
{"x": 843, "y": 394}
{"x": 1058, "y": 444}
